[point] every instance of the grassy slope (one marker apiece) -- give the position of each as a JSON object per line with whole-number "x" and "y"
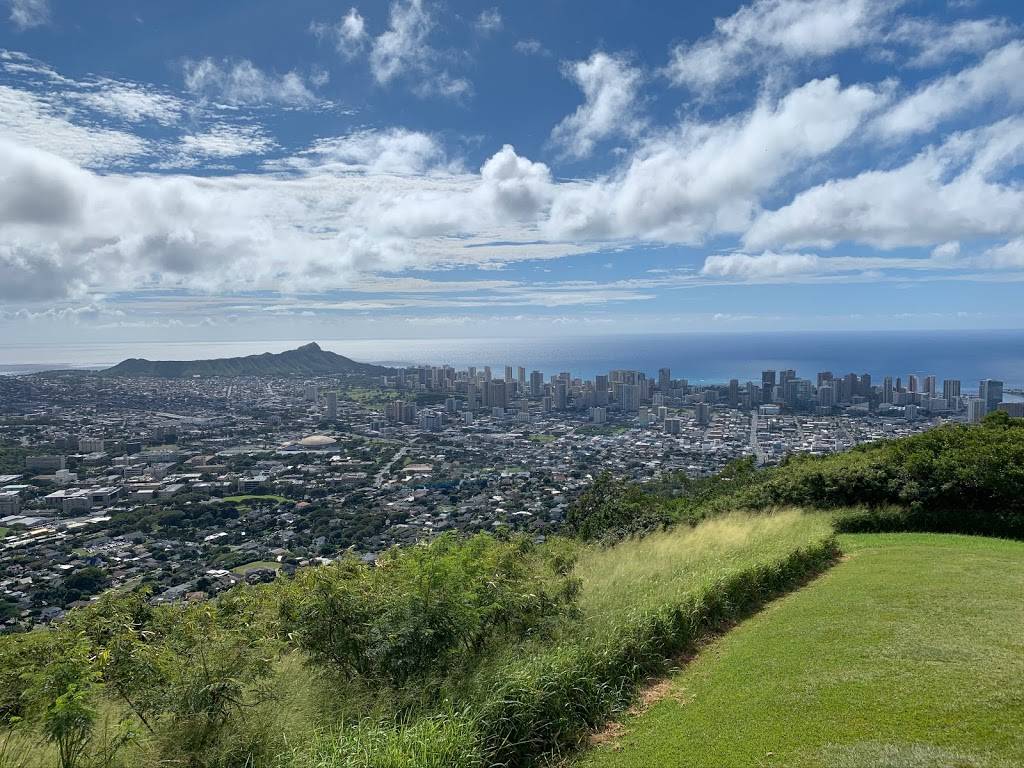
{"x": 910, "y": 654}
{"x": 643, "y": 575}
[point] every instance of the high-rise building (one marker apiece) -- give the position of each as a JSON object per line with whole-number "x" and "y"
{"x": 767, "y": 386}
{"x": 497, "y": 394}
{"x": 630, "y": 397}
{"x": 332, "y": 405}
{"x": 702, "y": 413}
{"x": 930, "y": 386}
{"x": 950, "y": 390}
{"x": 561, "y": 395}
{"x": 887, "y": 389}
{"x": 912, "y": 382}
{"x": 991, "y": 391}
{"x": 734, "y": 393}
{"x": 664, "y": 379}
{"x": 598, "y": 415}
{"x": 536, "y": 383}
{"x": 521, "y": 378}
{"x": 508, "y": 374}
{"x": 673, "y": 426}
{"x": 824, "y": 377}
{"x": 1014, "y": 410}
{"x": 910, "y": 412}
{"x": 976, "y": 410}
{"x": 826, "y": 395}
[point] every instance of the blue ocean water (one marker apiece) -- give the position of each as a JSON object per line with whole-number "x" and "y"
{"x": 699, "y": 357}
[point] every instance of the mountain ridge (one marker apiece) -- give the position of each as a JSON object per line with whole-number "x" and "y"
{"x": 309, "y": 359}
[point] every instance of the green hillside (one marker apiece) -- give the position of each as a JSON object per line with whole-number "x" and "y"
{"x": 909, "y": 653}
{"x": 307, "y": 360}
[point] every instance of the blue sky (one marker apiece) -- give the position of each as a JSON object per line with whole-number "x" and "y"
{"x": 269, "y": 170}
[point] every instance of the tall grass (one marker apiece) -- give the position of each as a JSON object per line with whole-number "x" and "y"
{"x": 668, "y": 568}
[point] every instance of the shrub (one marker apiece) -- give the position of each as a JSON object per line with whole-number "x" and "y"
{"x": 426, "y": 609}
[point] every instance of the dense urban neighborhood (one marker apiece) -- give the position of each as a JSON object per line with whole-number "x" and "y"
{"x": 191, "y": 483}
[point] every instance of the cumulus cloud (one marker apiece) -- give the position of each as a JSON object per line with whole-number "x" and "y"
{"x": 390, "y": 151}
{"x": 949, "y": 192}
{"x": 29, "y": 13}
{"x": 997, "y": 77}
{"x": 514, "y": 186}
{"x": 784, "y": 29}
{"x": 610, "y": 86}
{"x": 706, "y": 178}
{"x": 243, "y": 83}
{"x": 348, "y": 35}
{"x": 1006, "y": 256}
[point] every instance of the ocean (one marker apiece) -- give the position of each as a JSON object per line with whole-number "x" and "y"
{"x": 698, "y": 357}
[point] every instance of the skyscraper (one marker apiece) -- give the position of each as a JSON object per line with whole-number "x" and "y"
{"x": 332, "y": 405}
{"x": 991, "y": 391}
{"x": 630, "y": 397}
{"x": 536, "y": 383}
{"x": 664, "y": 379}
{"x": 950, "y": 390}
{"x": 702, "y": 412}
{"x": 734, "y": 393}
{"x": 767, "y": 386}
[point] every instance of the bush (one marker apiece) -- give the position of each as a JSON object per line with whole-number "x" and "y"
{"x": 426, "y": 609}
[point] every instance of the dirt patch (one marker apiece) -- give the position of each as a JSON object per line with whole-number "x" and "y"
{"x": 608, "y": 736}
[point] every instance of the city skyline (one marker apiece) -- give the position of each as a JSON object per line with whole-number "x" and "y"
{"x": 418, "y": 168}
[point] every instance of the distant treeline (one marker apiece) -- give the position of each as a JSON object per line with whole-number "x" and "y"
{"x": 952, "y": 479}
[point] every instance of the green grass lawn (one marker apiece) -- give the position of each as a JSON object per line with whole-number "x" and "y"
{"x": 241, "y": 570}
{"x": 242, "y": 498}
{"x": 909, "y": 654}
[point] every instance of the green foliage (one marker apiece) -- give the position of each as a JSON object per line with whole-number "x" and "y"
{"x": 426, "y": 609}
{"x": 611, "y": 509}
{"x": 965, "y": 479}
{"x": 445, "y": 741}
{"x": 61, "y": 695}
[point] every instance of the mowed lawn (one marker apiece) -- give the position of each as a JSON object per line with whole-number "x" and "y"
{"x": 908, "y": 654}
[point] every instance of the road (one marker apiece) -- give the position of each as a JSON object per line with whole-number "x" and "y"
{"x": 379, "y": 478}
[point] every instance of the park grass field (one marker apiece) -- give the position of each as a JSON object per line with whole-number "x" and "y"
{"x": 908, "y": 654}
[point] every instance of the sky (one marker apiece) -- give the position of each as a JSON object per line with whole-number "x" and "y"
{"x": 442, "y": 168}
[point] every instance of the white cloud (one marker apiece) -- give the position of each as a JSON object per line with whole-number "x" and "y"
{"x": 1000, "y": 76}
{"x": 348, "y": 35}
{"x": 392, "y": 151}
{"x": 32, "y": 120}
{"x": 531, "y": 48}
{"x": 1007, "y": 256}
{"x": 937, "y": 42}
{"x": 783, "y": 29}
{"x": 403, "y": 50}
{"x": 243, "y": 83}
{"x": 403, "y": 46}
{"x": 227, "y": 141}
{"x": 706, "y": 178}
{"x": 949, "y": 192}
{"x": 29, "y": 13}
{"x": 514, "y": 186}
{"x": 488, "y": 22}
{"x": 610, "y": 86}
{"x": 130, "y": 102}
{"x": 766, "y": 265}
